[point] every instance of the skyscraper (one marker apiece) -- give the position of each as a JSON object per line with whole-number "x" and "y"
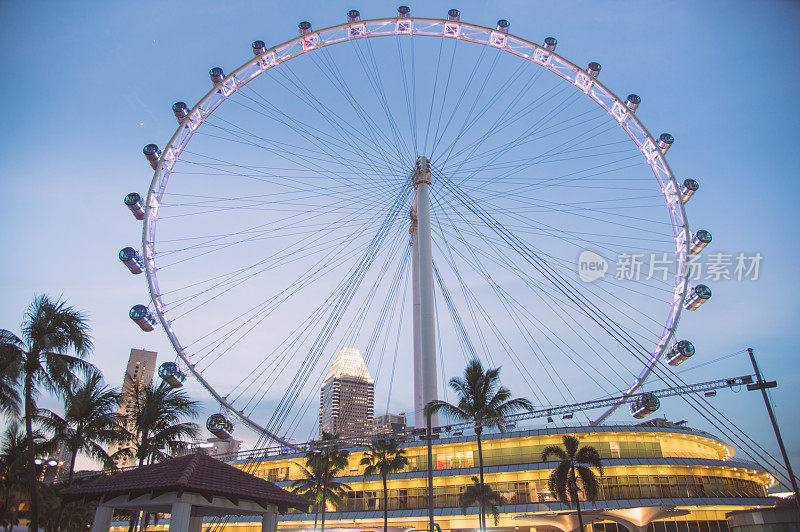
{"x": 139, "y": 372}
{"x": 346, "y": 398}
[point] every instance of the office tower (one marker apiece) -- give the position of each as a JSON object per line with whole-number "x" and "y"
{"x": 346, "y": 398}
{"x": 138, "y": 373}
{"x": 390, "y": 425}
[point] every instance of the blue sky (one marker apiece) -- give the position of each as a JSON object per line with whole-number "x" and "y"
{"x": 89, "y": 85}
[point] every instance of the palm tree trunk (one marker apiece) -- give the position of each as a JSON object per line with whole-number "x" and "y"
{"x": 70, "y": 478}
{"x": 573, "y": 488}
{"x": 481, "y": 516}
{"x": 316, "y": 514}
{"x": 385, "y": 506}
{"x": 34, "y": 522}
{"x": 324, "y": 498}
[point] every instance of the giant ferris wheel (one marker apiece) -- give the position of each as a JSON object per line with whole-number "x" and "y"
{"x": 425, "y": 197}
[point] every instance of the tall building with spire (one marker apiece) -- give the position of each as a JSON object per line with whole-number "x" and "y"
{"x": 346, "y": 398}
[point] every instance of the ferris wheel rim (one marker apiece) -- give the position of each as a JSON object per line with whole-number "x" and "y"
{"x": 500, "y": 40}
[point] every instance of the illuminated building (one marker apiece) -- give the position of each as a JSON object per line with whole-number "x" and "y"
{"x": 655, "y": 473}
{"x": 390, "y": 424}
{"x": 346, "y": 398}
{"x": 139, "y": 372}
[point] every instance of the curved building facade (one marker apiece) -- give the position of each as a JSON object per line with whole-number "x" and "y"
{"x": 656, "y": 476}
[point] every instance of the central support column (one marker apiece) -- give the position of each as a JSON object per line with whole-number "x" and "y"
{"x": 424, "y": 315}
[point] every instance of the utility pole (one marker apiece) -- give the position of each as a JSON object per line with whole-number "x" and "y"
{"x": 429, "y": 438}
{"x": 762, "y": 385}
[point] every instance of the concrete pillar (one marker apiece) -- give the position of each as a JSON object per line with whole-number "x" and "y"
{"x": 102, "y": 519}
{"x": 196, "y": 523}
{"x": 269, "y": 522}
{"x": 180, "y": 516}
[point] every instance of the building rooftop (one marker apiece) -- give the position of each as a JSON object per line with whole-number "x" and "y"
{"x": 349, "y": 363}
{"x": 196, "y": 473}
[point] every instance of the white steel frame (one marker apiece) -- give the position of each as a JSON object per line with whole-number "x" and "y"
{"x": 413, "y": 26}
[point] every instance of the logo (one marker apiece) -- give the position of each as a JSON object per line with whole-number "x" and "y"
{"x": 591, "y": 266}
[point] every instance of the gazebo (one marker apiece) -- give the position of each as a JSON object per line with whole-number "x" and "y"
{"x": 188, "y": 488}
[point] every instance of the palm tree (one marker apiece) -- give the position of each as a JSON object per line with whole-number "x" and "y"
{"x": 573, "y": 459}
{"x": 472, "y": 494}
{"x": 90, "y": 423}
{"x": 324, "y": 462}
{"x": 156, "y": 424}
{"x": 13, "y": 462}
{"x": 156, "y": 421}
{"x": 49, "y": 330}
{"x": 483, "y": 402}
{"x": 384, "y": 457}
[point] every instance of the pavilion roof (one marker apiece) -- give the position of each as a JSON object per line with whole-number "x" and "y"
{"x": 195, "y": 473}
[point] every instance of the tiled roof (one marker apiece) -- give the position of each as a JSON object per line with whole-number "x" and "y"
{"x": 196, "y": 473}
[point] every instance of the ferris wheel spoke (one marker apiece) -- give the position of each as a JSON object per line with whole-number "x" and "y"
{"x": 338, "y": 122}
{"x": 516, "y": 313}
{"x": 501, "y": 259}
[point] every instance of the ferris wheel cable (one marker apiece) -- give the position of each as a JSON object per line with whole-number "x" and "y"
{"x": 262, "y": 315}
{"x": 340, "y": 85}
{"x": 301, "y": 281}
{"x": 458, "y": 105}
{"x": 461, "y": 332}
{"x": 289, "y": 121}
{"x": 380, "y": 146}
{"x": 492, "y": 158}
{"x": 444, "y": 97}
{"x": 385, "y": 316}
{"x": 490, "y": 132}
{"x": 371, "y": 69}
{"x": 233, "y": 279}
{"x": 397, "y": 343}
{"x": 433, "y": 98}
{"x": 569, "y": 268}
{"x": 311, "y": 163}
{"x": 440, "y": 134}
{"x": 713, "y": 361}
{"x": 304, "y": 213}
{"x": 411, "y": 109}
{"x": 468, "y": 121}
{"x": 370, "y": 125}
{"x": 591, "y": 310}
{"x": 502, "y": 293}
{"x": 334, "y": 318}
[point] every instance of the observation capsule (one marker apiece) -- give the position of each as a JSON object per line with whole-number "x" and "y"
{"x": 180, "y": 110}
{"x": 688, "y": 189}
{"x": 567, "y": 416}
{"x": 403, "y": 11}
{"x": 142, "y": 317}
{"x": 644, "y": 405}
{"x": 304, "y": 27}
{"x": 152, "y": 154}
{"x": 171, "y": 374}
{"x": 701, "y": 239}
{"x": 502, "y": 25}
{"x": 550, "y": 43}
{"x": 454, "y": 15}
{"x": 697, "y": 296}
{"x": 680, "y": 352}
{"x": 593, "y": 69}
{"x": 219, "y": 426}
{"x": 711, "y": 393}
{"x": 665, "y": 141}
{"x": 632, "y": 102}
{"x": 353, "y": 15}
{"x": 217, "y": 75}
{"x": 130, "y": 258}
{"x": 259, "y": 47}
{"x": 134, "y": 203}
